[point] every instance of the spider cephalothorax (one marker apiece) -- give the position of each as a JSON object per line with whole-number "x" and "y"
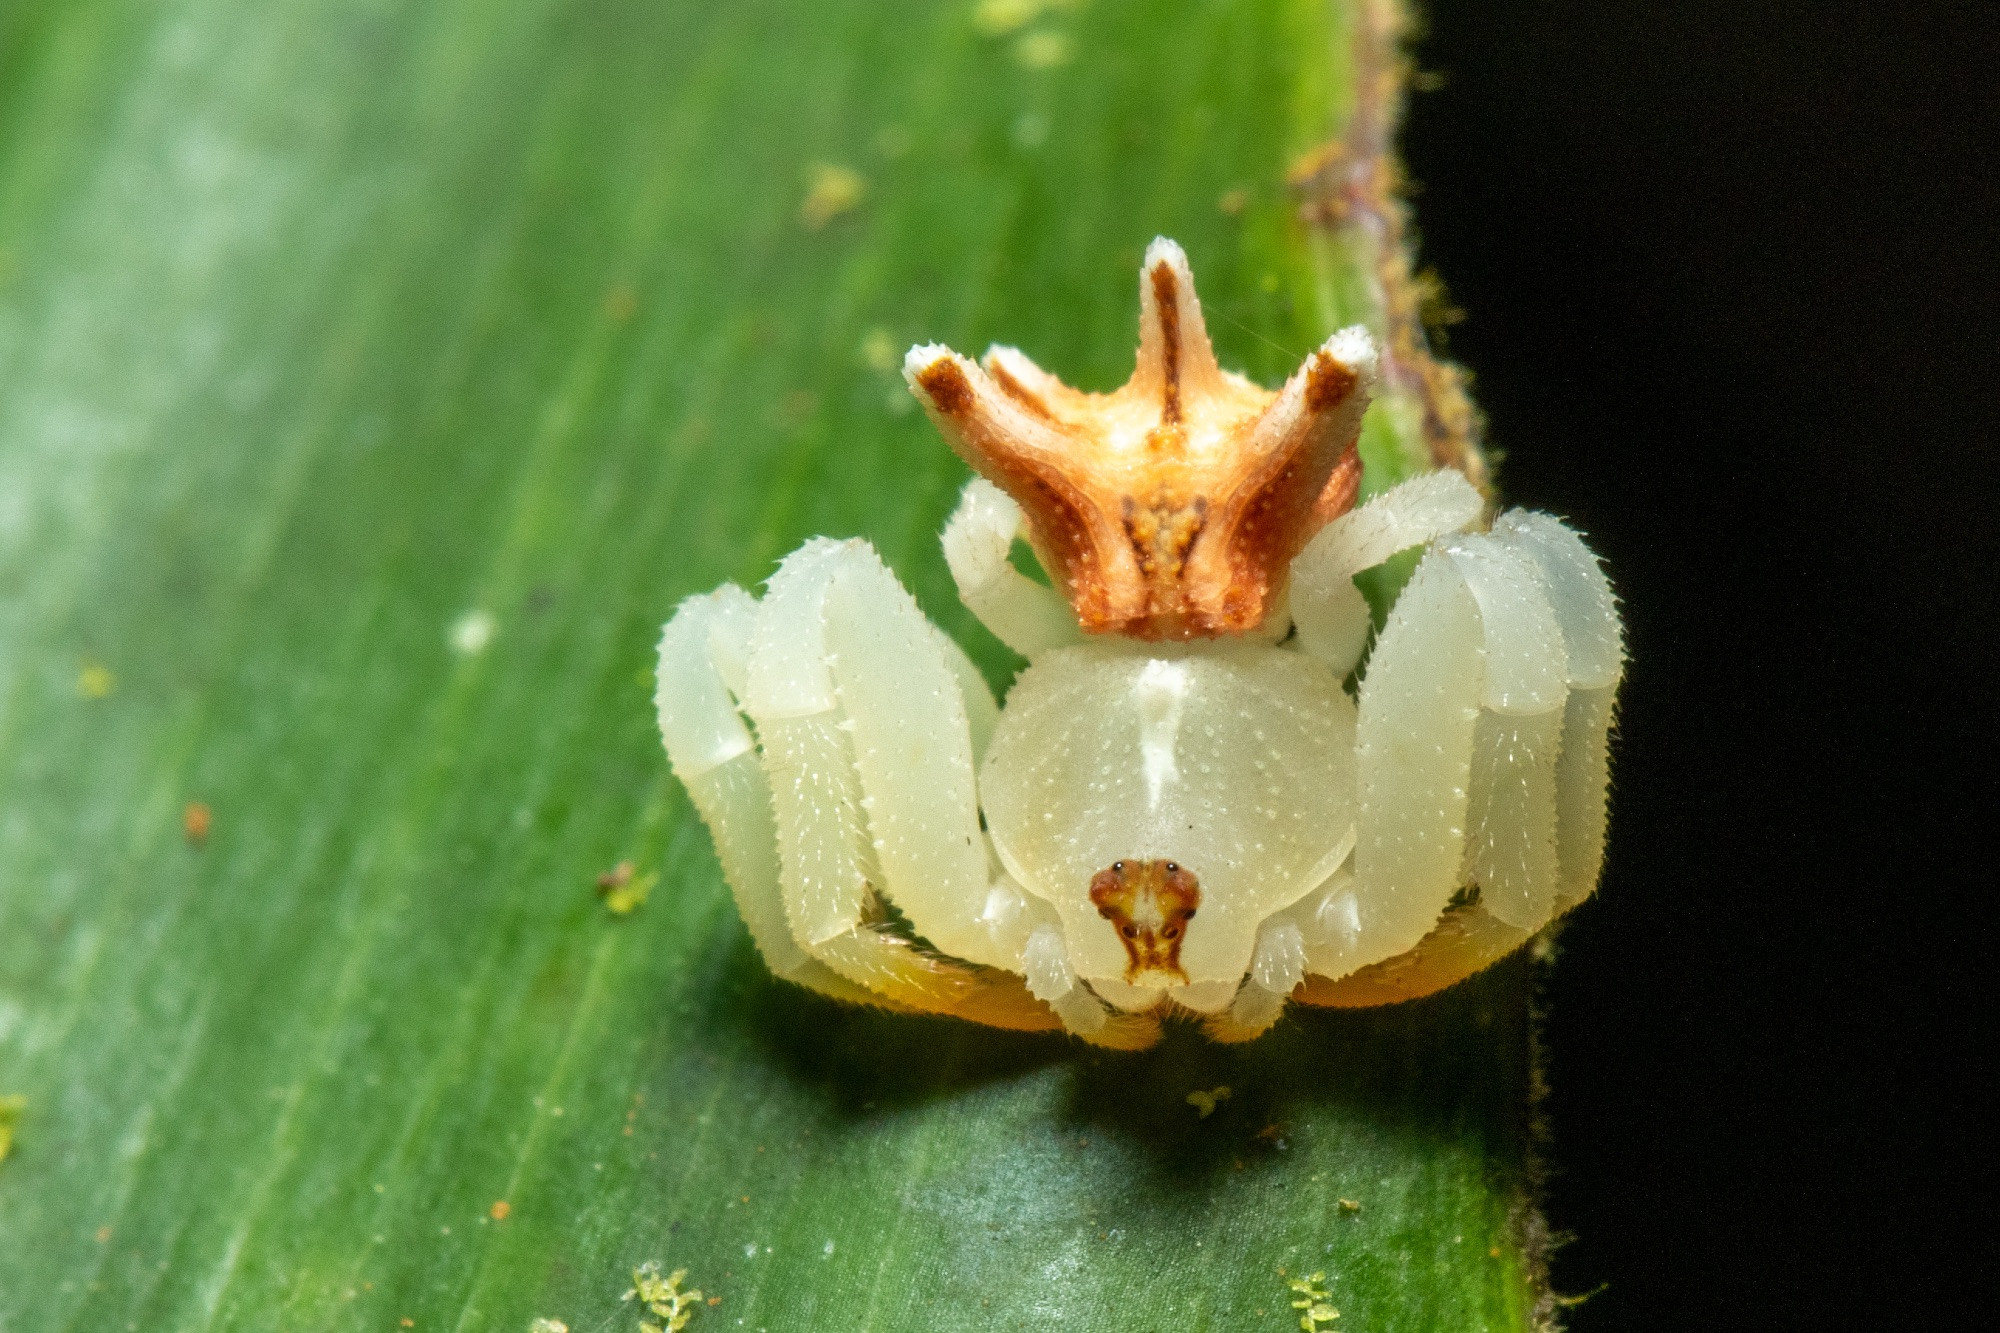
{"x": 1181, "y": 806}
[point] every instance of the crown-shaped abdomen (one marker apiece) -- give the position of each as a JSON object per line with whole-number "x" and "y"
{"x": 1171, "y": 507}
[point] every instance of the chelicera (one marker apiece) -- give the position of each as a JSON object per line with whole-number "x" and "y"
{"x": 1181, "y": 806}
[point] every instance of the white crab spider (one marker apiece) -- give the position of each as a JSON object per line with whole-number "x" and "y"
{"x": 1182, "y": 806}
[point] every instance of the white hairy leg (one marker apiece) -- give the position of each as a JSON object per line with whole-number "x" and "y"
{"x": 893, "y": 673}
{"x": 1276, "y": 969}
{"x": 893, "y": 680}
{"x": 1461, "y": 692}
{"x": 1527, "y": 782}
{"x": 704, "y": 653}
{"x": 1594, "y": 644}
{"x": 1510, "y": 848}
{"x": 1045, "y": 961}
{"x": 834, "y": 635}
{"x": 1554, "y": 657}
{"x": 1329, "y": 611}
{"x": 903, "y": 689}
{"x": 1413, "y": 739}
{"x": 1023, "y": 614}
{"x": 801, "y": 859}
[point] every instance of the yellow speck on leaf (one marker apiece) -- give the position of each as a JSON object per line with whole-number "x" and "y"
{"x": 878, "y": 351}
{"x": 1205, "y": 1102}
{"x": 196, "y": 820}
{"x": 1043, "y": 50}
{"x": 1312, "y": 1301}
{"x": 548, "y": 1326}
{"x": 1349, "y": 1206}
{"x": 662, "y": 1297}
{"x": 498, "y": 1212}
{"x": 11, "y": 1107}
{"x": 997, "y": 18}
{"x": 623, "y": 890}
{"x": 95, "y": 681}
{"x": 1002, "y": 18}
{"x": 831, "y": 190}
{"x": 1233, "y": 202}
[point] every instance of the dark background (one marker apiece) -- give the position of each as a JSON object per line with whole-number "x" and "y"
{"x": 1730, "y": 275}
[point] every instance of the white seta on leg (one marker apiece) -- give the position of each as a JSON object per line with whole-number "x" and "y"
{"x": 704, "y": 652}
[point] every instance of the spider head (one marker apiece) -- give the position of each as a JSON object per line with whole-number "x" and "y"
{"x": 1149, "y": 904}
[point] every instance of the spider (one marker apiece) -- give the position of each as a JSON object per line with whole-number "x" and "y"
{"x": 1180, "y": 808}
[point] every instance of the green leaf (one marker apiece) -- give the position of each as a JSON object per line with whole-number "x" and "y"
{"x": 374, "y": 379}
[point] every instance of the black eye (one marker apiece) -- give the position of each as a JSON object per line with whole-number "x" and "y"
{"x": 1173, "y": 869}
{"x": 1189, "y": 916}
{"x": 1118, "y": 866}
{"x": 1171, "y": 933}
{"x": 1130, "y": 932}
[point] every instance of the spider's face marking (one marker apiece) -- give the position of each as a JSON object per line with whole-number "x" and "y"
{"x": 1170, "y": 508}
{"x": 1149, "y": 904}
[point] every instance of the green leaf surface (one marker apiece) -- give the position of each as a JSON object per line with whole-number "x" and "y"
{"x": 335, "y": 331}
